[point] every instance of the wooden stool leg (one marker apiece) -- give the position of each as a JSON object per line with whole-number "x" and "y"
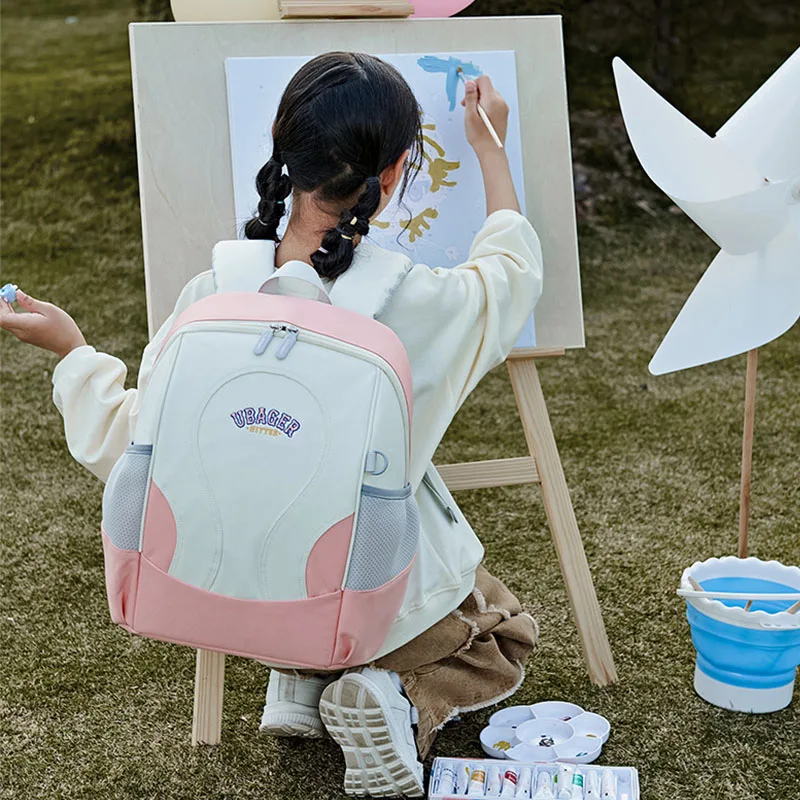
{"x": 564, "y": 526}
{"x": 209, "y": 685}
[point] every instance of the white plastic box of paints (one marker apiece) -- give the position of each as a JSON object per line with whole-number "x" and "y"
{"x": 485, "y": 779}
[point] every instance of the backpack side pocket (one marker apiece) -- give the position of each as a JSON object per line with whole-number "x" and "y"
{"x": 124, "y": 496}
{"x": 385, "y": 539}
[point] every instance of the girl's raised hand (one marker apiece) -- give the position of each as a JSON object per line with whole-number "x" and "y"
{"x": 45, "y": 325}
{"x": 481, "y": 90}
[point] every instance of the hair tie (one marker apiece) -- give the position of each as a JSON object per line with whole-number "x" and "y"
{"x": 265, "y": 224}
{"x": 323, "y": 250}
{"x": 279, "y": 203}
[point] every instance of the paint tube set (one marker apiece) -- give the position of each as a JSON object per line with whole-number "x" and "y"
{"x": 454, "y": 778}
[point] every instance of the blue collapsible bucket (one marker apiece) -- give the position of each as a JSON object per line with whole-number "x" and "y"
{"x": 747, "y": 659}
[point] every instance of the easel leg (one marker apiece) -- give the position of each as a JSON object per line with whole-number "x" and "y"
{"x": 747, "y": 450}
{"x": 209, "y": 686}
{"x": 564, "y": 526}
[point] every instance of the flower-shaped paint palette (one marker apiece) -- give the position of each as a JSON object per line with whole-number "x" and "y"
{"x": 548, "y": 731}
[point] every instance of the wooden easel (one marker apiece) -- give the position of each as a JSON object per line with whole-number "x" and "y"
{"x": 543, "y": 466}
{"x": 307, "y": 9}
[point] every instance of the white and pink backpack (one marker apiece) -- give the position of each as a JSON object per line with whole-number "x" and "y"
{"x": 264, "y": 508}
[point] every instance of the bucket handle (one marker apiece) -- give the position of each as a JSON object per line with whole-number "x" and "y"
{"x": 694, "y": 594}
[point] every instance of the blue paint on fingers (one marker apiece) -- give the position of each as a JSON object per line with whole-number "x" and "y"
{"x": 449, "y": 67}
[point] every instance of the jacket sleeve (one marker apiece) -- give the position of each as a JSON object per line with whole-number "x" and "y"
{"x": 459, "y": 323}
{"x": 89, "y": 391}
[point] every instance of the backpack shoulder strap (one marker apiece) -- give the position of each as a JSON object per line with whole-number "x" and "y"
{"x": 371, "y": 280}
{"x": 366, "y": 287}
{"x": 242, "y": 265}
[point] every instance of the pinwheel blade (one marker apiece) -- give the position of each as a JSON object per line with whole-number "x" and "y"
{"x": 766, "y": 129}
{"x": 682, "y": 160}
{"x": 716, "y": 187}
{"x": 740, "y": 303}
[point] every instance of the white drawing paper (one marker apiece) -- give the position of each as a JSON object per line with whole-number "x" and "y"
{"x": 444, "y": 207}
{"x": 742, "y": 187}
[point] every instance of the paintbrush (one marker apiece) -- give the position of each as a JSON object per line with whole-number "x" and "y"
{"x": 484, "y": 116}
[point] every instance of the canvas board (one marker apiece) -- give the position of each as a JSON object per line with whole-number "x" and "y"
{"x": 185, "y": 154}
{"x": 444, "y": 207}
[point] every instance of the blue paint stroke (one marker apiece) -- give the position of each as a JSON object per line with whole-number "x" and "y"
{"x": 450, "y": 68}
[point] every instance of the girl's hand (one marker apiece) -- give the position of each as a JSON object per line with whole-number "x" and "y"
{"x": 496, "y": 109}
{"x": 45, "y": 325}
{"x": 497, "y": 181}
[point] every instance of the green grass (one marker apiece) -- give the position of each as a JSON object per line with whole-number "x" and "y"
{"x": 87, "y": 711}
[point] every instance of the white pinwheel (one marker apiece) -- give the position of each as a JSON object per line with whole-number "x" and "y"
{"x": 742, "y": 187}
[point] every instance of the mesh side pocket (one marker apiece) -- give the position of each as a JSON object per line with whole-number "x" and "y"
{"x": 123, "y": 498}
{"x": 386, "y": 537}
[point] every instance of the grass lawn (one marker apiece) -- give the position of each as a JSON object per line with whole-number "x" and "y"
{"x": 88, "y": 711}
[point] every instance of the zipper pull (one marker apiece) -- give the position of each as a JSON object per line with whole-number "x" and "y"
{"x": 288, "y": 343}
{"x": 263, "y": 341}
{"x": 442, "y": 502}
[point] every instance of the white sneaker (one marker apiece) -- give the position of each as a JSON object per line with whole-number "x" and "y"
{"x": 292, "y": 707}
{"x": 368, "y": 717}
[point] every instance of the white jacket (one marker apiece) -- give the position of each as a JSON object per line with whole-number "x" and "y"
{"x": 456, "y": 324}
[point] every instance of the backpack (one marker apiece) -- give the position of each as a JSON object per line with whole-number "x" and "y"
{"x": 264, "y": 508}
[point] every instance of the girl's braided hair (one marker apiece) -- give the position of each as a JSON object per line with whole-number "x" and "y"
{"x": 342, "y": 120}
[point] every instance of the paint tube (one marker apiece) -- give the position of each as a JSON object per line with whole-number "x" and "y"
{"x": 476, "y": 781}
{"x": 577, "y": 787}
{"x": 609, "y": 785}
{"x": 493, "y": 781}
{"x": 544, "y": 786}
{"x": 509, "y": 783}
{"x": 524, "y": 783}
{"x": 447, "y": 778}
{"x": 564, "y": 781}
{"x": 462, "y": 778}
{"x": 593, "y": 790}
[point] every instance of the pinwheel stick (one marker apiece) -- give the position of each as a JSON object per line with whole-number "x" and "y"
{"x": 747, "y": 450}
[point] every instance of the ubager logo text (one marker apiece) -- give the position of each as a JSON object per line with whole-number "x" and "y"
{"x": 272, "y": 422}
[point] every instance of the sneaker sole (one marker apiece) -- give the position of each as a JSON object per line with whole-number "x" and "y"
{"x": 359, "y": 724}
{"x": 292, "y": 725}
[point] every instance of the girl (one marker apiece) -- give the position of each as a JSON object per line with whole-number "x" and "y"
{"x": 346, "y": 136}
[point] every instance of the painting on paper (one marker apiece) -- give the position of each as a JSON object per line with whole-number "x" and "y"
{"x": 444, "y": 206}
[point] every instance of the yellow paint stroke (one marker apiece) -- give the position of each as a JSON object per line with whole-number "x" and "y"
{"x": 439, "y": 170}
{"x": 434, "y": 144}
{"x": 416, "y": 224}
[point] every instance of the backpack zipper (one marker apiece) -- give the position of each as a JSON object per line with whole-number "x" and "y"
{"x": 288, "y": 342}
{"x": 269, "y": 334}
{"x": 263, "y": 341}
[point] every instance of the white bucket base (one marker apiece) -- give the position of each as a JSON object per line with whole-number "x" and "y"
{"x": 740, "y": 698}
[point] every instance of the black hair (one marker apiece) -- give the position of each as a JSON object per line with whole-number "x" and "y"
{"x": 342, "y": 120}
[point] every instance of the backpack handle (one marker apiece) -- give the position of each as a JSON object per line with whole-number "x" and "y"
{"x": 296, "y": 279}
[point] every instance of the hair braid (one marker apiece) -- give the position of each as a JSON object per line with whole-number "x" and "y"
{"x": 273, "y": 189}
{"x": 336, "y": 251}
